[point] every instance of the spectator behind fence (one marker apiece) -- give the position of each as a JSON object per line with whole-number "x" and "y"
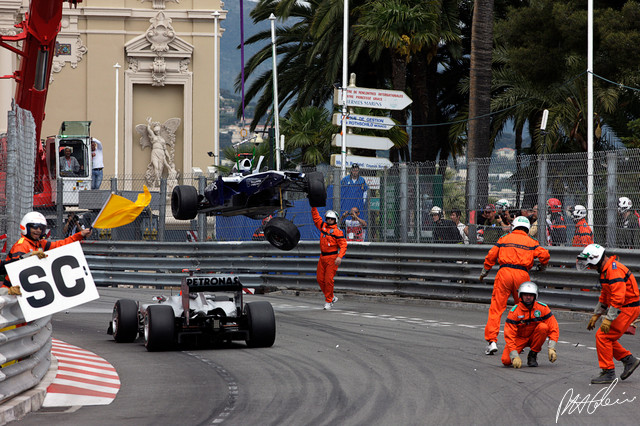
{"x": 628, "y": 232}
{"x": 488, "y": 222}
{"x": 444, "y": 230}
{"x": 353, "y": 224}
{"x": 97, "y": 163}
{"x": 353, "y": 192}
{"x": 532, "y": 215}
{"x": 69, "y": 165}
{"x": 462, "y": 228}
{"x": 556, "y": 225}
{"x": 71, "y": 225}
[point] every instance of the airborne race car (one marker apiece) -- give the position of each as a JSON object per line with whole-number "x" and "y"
{"x": 255, "y": 195}
{"x": 195, "y": 317}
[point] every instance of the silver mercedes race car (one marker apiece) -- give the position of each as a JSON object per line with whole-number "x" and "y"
{"x": 199, "y": 315}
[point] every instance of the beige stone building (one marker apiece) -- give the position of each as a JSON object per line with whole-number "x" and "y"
{"x": 157, "y": 58}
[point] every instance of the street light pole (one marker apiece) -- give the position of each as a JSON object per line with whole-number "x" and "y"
{"x": 216, "y": 91}
{"x": 117, "y": 110}
{"x": 274, "y": 77}
{"x": 345, "y": 58}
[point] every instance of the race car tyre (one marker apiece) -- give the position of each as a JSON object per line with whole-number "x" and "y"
{"x": 124, "y": 321}
{"x": 184, "y": 202}
{"x": 262, "y": 324}
{"x": 316, "y": 191}
{"x": 159, "y": 328}
{"x": 282, "y": 233}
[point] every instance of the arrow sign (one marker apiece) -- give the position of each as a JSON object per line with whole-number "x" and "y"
{"x": 365, "y": 121}
{"x": 373, "y": 98}
{"x": 361, "y": 141}
{"x": 363, "y": 162}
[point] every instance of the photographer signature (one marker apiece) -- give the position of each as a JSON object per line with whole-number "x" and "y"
{"x": 600, "y": 399}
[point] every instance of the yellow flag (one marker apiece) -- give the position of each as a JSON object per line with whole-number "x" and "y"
{"x": 118, "y": 211}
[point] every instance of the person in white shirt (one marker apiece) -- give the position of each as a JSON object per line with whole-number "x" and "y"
{"x": 462, "y": 228}
{"x": 354, "y": 225}
{"x": 97, "y": 163}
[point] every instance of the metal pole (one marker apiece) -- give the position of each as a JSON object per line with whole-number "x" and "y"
{"x": 612, "y": 200}
{"x": 345, "y": 58}
{"x": 472, "y": 219}
{"x": 274, "y": 78}
{"x": 115, "y": 139}
{"x": 216, "y": 90}
{"x": 404, "y": 211}
{"x": 590, "y": 112}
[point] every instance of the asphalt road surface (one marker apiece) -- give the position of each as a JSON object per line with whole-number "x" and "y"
{"x": 369, "y": 361}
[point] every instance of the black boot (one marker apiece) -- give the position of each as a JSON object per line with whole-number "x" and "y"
{"x": 532, "y": 359}
{"x": 630, "y": 364}
{"x": 604, "y": 378}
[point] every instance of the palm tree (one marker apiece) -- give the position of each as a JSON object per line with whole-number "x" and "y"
{"x": 308, "y": 133}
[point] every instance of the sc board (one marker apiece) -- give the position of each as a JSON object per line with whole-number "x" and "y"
{"x": 58, "y": 282}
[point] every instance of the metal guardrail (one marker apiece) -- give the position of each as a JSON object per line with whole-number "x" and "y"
{"x": 442, "y": 271}
{"x": 25, "y": 350}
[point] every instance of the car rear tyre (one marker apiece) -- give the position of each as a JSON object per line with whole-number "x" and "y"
{"x": 262, "y": 324}
{"x": 159, "y": 328}
{"x": 316, "y": 191}
{"x": 124, "y": 321}
{"x": 282, "y": 233}
{"x": 184, "y": 202}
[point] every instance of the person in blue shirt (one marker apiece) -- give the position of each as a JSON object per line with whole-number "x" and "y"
{"x": 354, "y": 191}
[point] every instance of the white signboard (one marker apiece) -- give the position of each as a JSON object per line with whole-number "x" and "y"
{"x": 362, "y": 141}
{"x": 364, "y": 162}
{"x": 56, "y": 283}
{"x": 373, "y": 98}
{"x": 365, "y": 121}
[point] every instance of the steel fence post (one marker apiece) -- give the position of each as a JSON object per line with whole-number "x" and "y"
{"x": 162, "y": 209}
{"x": 202, "y": 217}
{"x": 114, "y": 189}
{"x": 542, "y": 200}
{"x": 404, "y": 211}
{"x": 612, "y": 198}
{"x": 59, "y": 208}
{"x": 472, "y": 200}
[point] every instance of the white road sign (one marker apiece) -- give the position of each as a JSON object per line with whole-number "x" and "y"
{"x": 365, "y": 121}
{"x": 56, "y": 283}
{"x": 373, "y": 98}
{"x": 364, "y": 162}
{"x": 362, "y": 141}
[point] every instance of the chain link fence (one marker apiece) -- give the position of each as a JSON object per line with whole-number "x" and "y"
{"x": 395, "y": 202}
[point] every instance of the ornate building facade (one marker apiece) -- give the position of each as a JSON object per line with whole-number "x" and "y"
{"x": 119, "y": 62}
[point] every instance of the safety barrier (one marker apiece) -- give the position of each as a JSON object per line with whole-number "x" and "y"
{"x": 25, "y": 349}
{"x": 443, "y": 271}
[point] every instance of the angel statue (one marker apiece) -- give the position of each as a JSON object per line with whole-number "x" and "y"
{"x": 161, "y": 138}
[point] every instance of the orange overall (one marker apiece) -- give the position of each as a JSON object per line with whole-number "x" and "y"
{"x": 528, "y": 328}
{"x": 583, "y": 235}
{"x": 25, "y": 245}
{"x": 619, "y": 290}
{"x": 333, "y": 244}
{"x": 515, "y": 252}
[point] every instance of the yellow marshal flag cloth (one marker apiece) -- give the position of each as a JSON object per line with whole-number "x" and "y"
{"x": 118, "y": 211}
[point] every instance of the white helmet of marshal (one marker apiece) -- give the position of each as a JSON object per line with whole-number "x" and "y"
{"x": 591, "y": 255}
{"x": 435, "y": 210}
{"x": 624, "y": 204}
{"x": 502, "y": 205}
{"x": 528, "y": 287}
{"x": 30, "y": 219}
{"x": 330, "y": 214}
{"x": 579, "y": 212}
{"x": 521, "y": 222}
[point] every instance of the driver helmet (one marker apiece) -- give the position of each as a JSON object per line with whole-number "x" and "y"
{"x": 579, "y": 212}
{"x": 331, "y": 214}
{"x": 591, "y": 256}
{"x": 624, "y": 204}
{"x": 502, "y": 205}
{"x": 31, "y": 220}
{"x": 521, "y": 222}
{"x": 554, "y": 205}
{"x": 245, "y": 165}
{"x": 528, "y": 287}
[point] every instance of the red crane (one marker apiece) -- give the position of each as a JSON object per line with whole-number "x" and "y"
{"x": 40, "y": 28}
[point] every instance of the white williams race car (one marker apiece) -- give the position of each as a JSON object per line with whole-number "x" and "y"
{"x": 199, "y": 315}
